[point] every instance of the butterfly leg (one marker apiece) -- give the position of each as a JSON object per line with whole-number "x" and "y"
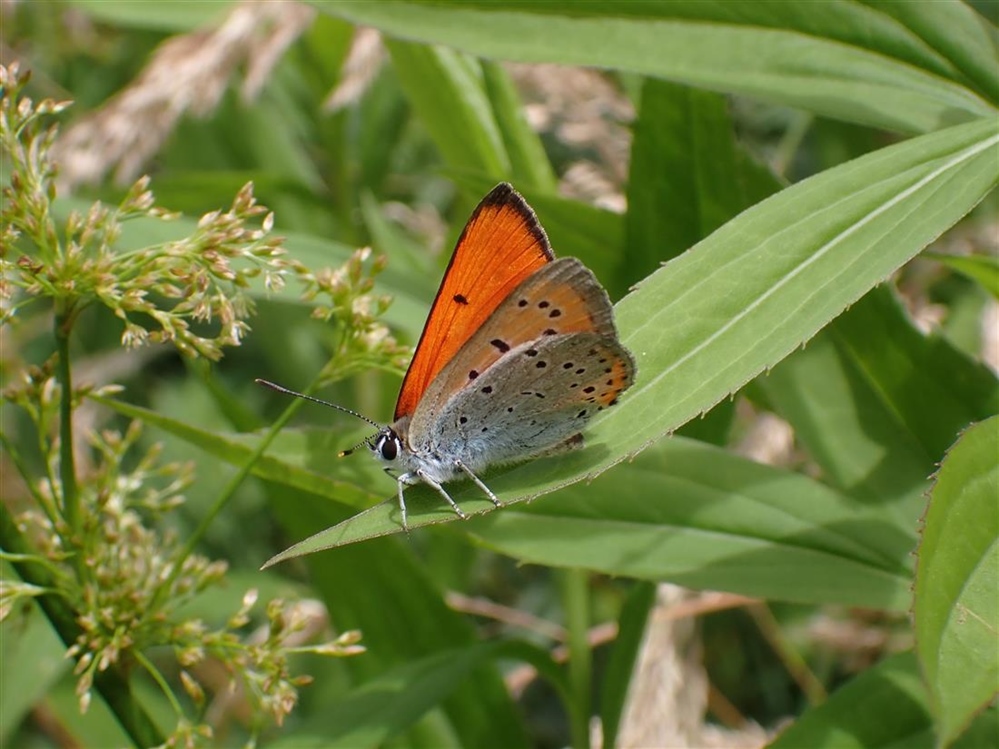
{"x": 440, "y": 490}
{"x": 402, "y": 502}
{"x": 478, "y": 482}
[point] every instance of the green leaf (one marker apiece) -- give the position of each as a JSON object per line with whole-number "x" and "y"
{"x": 745, "y": 297}
{"x": 380, "y": 709}
{"x": 178, "y": 16}
{"x": 631, "y": 627}
{"x": 883, "y": 707}
{"x": 701, "y": 517}
{"x": 367, "y": 140}
{"x": 688, "y": 176}
{"x": 957, "y": 32}
{"x": 982, "y": 732}
{"x": 860, "y": 69}
{"x": 529, "y": 165}
{"x": 877, "y": 402}
{"x": 273, "y": 137}
{"x": 29, "y": 645}
{"x": 99, "y": 726}
{"x": 984, "y": 269}
{"x": 446, "y": 90}
{"x": 688, "y": 513}
{"x": 405, "y": 254}
{"x": 957, "y": 581}
{"x": 767, "y": 281}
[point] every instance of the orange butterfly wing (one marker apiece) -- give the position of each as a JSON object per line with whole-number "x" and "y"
{"x": 501, "y": 245}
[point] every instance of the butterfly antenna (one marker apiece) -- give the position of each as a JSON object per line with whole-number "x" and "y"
{"x": 286, "y": 391}
{"x": 349, "y": 450}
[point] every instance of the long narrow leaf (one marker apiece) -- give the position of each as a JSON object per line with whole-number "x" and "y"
{"x": 957, "y": 32}
{"x": 691, "y": 514}
{"x": 740, "y": 301}
{"x": 982, "y": 268}
{"x": 447, "y": 92}
{"x": 709, "y": 47}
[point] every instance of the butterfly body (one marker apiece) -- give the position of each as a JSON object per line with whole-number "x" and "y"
{"x": 523, "y": 384}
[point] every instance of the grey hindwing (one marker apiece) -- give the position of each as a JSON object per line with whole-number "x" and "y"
{"x": 534, "y": 398}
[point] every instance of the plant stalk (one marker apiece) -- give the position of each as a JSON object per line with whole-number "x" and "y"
{"x": 234, "y": 483}
{"x": 793, "y": 661}
{"x": 576, "y": 606}
{"x": 67, "y": 461}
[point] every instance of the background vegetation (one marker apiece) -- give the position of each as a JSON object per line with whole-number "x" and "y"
{"x": 819, "y": 177}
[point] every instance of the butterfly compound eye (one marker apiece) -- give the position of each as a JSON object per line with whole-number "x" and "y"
{"x": 387, "y": 447}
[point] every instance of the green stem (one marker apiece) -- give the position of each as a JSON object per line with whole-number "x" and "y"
{"x": 111, "y": 685}
{"x": 576, "y": 606}
{"x": 234, "y": 483}
{"x": 160, "y": 681}
{"x": 793, "y": 661}
{"x": 231, "y": 487}
{"x": 789, "y": 144}
{"x": 67, "y": 461}
{"x": 45, "y": 502}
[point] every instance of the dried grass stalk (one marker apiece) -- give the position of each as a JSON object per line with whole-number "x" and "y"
{"x": 187, "y": 74}
{"x": 364, "y": 60}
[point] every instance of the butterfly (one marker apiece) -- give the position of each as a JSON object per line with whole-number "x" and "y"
{"x": 518, "y": 353}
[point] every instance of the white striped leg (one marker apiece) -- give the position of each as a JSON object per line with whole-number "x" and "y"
{"x": 402, "y": 503}
{"x": 478, "y": 482}
{"x": 442, "y": 491}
